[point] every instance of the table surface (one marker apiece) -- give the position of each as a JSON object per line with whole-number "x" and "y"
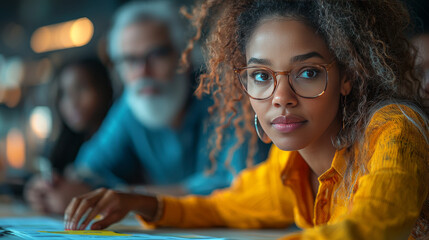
{"x": 16, "y": 208}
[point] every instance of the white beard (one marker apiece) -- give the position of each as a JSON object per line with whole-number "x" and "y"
{"x": 157, "y": 111}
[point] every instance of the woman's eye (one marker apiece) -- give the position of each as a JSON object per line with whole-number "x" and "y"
{"x": 309, "y": 73}
{"x": 261, "y": 76}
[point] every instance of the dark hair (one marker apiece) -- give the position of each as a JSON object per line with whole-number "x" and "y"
{"x": 249, "y": 20}
{"x": 68, "y": 143}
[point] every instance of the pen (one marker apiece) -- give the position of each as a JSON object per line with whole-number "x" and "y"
{"x": 45, "y": 168}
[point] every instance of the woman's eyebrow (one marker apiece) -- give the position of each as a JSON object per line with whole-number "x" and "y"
{"x": 259, "y": 61}
{"x": 300, "y": 58}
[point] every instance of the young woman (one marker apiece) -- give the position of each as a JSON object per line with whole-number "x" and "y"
{"x": 84, "y": 95}
{"x": 332, "y": 84}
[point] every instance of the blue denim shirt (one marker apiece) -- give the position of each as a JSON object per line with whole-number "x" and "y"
{"x": 123, "y": 151}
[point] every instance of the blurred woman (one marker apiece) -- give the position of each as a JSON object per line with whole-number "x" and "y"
{"x": 84, "y": 95}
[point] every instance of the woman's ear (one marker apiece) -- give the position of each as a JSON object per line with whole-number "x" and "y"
{"x": 346, "y": 85}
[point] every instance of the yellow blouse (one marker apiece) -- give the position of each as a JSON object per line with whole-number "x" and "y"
{"x": 386, "y": 196}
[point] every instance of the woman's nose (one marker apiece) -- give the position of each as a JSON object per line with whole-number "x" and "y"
{"x": 284, "y": 96}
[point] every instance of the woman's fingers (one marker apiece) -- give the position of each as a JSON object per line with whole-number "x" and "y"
{"x": 69, "y": 213}
{"x": 79, "y": 205}
{"x": 83, "y": 207}
{"x": 113, "y": 205}
{"x": 108, "y": 220}
{"x": 101, "y": 206}
{"x": 70, "y": 209}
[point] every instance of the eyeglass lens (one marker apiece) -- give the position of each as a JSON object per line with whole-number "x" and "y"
{"x": 306, "y": 81}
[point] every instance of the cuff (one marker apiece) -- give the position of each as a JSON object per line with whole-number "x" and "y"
{"x": 171, "y": 215}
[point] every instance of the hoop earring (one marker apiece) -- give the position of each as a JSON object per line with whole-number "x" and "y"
{"x": 261, "y": 134}
{"x": 344, "y": 110}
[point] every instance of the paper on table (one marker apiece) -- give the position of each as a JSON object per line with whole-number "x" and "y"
{"x": 48, "y": 228}
{"x": 88, "y": 232}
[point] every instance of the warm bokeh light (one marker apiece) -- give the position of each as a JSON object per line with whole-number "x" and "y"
{"x": 81, "y": 31}
{"x": 75, "y": 33}
{"x": 13, "y": 96}
{"x": 3, "y": 163}
{"x": 10, "y": 96}
{"x": 12, "y": 73}
{"x": 41, "y": 39}
{"x": 15, "y": 148}
{"x": 41, "y": 121}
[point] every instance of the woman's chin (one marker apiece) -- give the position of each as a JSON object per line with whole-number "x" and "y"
{"x": 288, "y": 145}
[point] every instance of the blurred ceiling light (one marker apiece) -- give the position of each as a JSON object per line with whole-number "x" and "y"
{"x": 79, "y": 31}
{"x": 41, "y": 121}
{"x": 15, "y": 148}
{"x": 75, "y": 33}
{"x": 41, "y": 39}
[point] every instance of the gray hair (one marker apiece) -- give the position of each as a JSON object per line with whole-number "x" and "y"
{"x": 164, "y": 11}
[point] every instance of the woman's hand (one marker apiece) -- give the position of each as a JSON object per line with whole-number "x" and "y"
{"x": 112, "y": 205}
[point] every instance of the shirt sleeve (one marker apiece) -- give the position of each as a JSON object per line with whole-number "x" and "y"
{"x": 253, "y": 201}
{"x": 106, "y": 159}
{"x": 389, "y": 198}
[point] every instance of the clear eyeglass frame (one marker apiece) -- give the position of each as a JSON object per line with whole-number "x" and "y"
{"x": 275, "y": 74}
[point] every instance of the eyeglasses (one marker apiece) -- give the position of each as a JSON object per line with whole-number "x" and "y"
{"x": 307, "y": 80}
{"x": 153, "y": 57}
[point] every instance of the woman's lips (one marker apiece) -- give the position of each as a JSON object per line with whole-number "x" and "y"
{"x": 288, "y": 123}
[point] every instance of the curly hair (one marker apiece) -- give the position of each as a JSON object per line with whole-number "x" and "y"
{"x": 367, "y": 39}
